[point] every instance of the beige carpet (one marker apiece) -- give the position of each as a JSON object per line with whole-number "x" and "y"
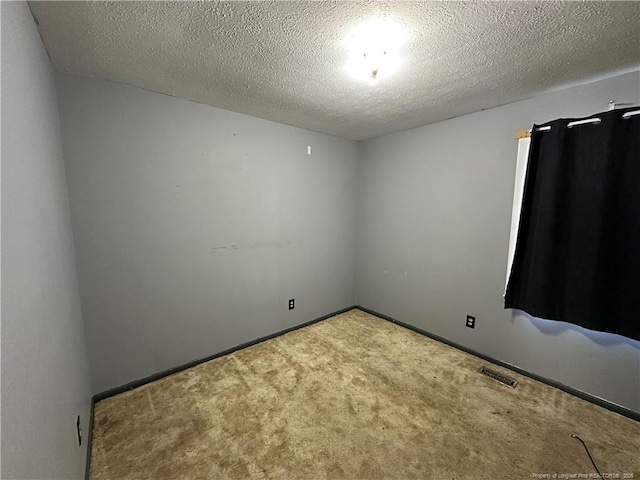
{"x": 353, "y": 397}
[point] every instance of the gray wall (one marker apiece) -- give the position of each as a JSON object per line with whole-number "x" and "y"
{"x": 195, "y": 225}
{"x": 45, "y": 377}
{"x": 433, "y": 231}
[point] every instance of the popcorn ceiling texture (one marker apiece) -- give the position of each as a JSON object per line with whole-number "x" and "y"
{"x": 285, "y": 61}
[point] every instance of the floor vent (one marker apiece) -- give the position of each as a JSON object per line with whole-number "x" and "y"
{"x": 510, "y": 382}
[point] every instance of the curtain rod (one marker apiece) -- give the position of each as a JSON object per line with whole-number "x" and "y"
{"x": 527, "y": 133}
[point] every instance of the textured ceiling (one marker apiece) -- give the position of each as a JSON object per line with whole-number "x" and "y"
{"x": 285, "y": 61}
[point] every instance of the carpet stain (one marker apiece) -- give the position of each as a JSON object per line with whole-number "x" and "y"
{"x": 354, "y": 397}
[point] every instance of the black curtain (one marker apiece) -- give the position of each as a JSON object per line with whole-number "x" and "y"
{"x": 577, "y": 256}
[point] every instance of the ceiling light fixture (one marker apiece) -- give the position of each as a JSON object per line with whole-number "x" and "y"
{"x": 374, "y": 49}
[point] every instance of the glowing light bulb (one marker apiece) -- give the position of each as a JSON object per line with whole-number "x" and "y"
{"x": 374, "y": 49}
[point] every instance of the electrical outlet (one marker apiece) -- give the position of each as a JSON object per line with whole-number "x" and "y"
{"x": 292, "y": 304}
{"x": 471, "y": 321}
{"x": 79, "y": 430}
